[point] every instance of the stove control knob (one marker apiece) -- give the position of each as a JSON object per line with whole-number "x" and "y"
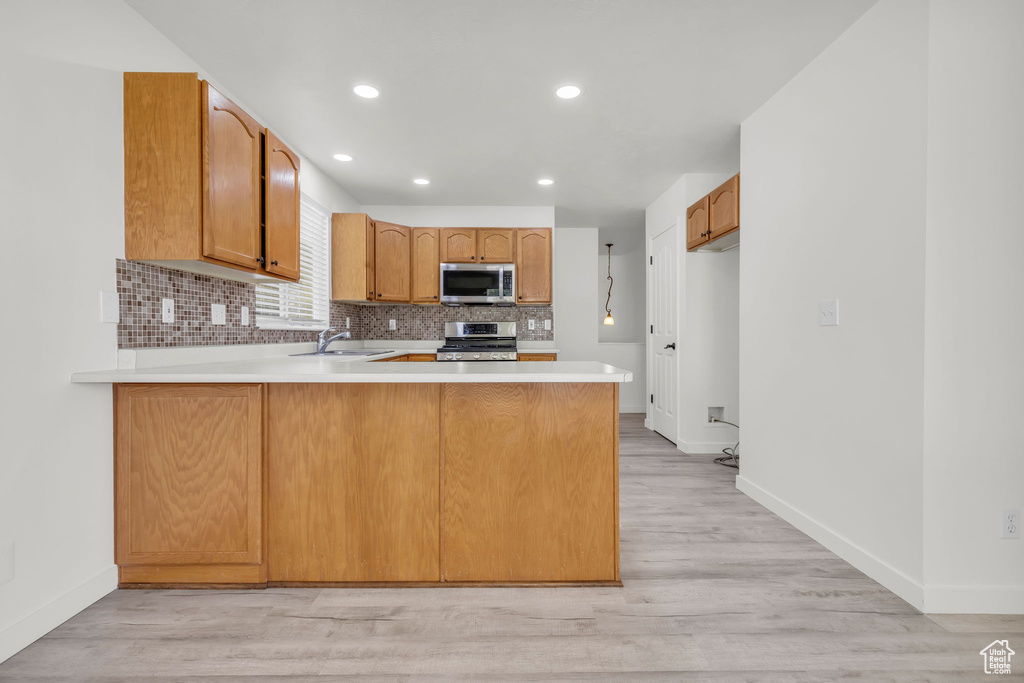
{"x": 494, "y": 356}
{"x": 504, "y": 356}
{"x": 476, "y": 355}
{"x": 449, "y": 356}
{"x": 458, "y": 355}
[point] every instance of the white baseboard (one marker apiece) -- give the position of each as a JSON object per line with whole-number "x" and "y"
{"x": 647, "y": 423}
{"x": 633, "y": 409}
{"x": 974, "y": 600}
{"x": 696, "y": 447}
{"x": 890, "y": 577}
{"x": 23, "y": 633}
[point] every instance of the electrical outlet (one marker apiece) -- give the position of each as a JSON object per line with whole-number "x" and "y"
{"x": 828, "y": 312}
{"x": 715, "y": 414}
{"x": 531, "y": 324}
{"x": 218, "y": 314}
{"x": 392, "y": 325}
{"x": 1011, "y": 523}
{"x": 245, "y": 316}
{"x": 348, "y": 323}
{"x": 109, "y": 308}
{"x": 167, "y": 310}
{"x": 547, "y": 324}
{"x": 7, "y": 562}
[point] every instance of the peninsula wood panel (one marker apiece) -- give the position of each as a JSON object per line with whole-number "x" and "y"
{"x": 426, "y": 265}
{"x": 162, "y": 182}
{"x": 458, "y": 245}
{"x": 724, "y": 208}
{"x": 496, "y": 245}
{"x": 533, "y": 265}
{"x": 536, "y": 356}
{"x": 352, "y": 257}
{"x": 353, "y": 473}
{"x": 697, "y": 224}
{"x": 392, "y": 255}
{"x": 188, "y": 475}
{"x": 231, "y": 181}
{"x": 281, "y": 208}
{"x": 537, "y": 500}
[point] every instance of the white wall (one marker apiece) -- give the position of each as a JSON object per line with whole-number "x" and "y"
{"x": 833, "y": 192}
{"x": 62, "y": 176}
{"x": 576, "y": 322}
{"x": 629, "y": 311}
{"x": 465, "y": 216}
{"x": 974, "y": 372}
{"x": 708, "y": 315}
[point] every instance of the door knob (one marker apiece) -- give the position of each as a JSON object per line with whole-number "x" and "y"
{"x": 671, "y": 346}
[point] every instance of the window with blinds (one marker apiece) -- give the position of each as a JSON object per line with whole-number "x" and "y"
{"x": 304, "y": 304}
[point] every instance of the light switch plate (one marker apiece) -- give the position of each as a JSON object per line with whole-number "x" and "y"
{"x": 245, "y": 316}
{"x": 547, "y": 324}
{"x": 167, "y": 310}
{"x": 828, "y": 312}
{"x": 109, "y": 308}
{"x": 7, "y": 562}
{"x": 392, "y": 325}
{"x": 218, "y": 314}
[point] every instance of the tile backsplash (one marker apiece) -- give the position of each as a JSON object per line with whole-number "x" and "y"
{"x": 141, "y": 287}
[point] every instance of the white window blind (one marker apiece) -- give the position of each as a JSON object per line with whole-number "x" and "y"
{"x": 304, "y": 304}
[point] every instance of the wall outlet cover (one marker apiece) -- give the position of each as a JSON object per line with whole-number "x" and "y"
{"x": 392, "y": 325}
{"x": 218, "y": 314}
{"x": 1010, "y": 523}
{"x": 245, "y": 316}
{"x": 531, "y": 324}
{"x": 167, "y": 310}
{"x": 348, "y": 323}
{"x": 828, "y": 312}
{"x": 110, "y": 308}
{"x": 547, "y": 324}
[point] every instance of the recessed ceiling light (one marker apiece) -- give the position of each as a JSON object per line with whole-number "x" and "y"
{"x": 367, "y": 91}
{"x": 421, "y": 181}
{"x": 567, "y": 92}
{"x": 343, "y": 157}
{"x": 545, "y": 181}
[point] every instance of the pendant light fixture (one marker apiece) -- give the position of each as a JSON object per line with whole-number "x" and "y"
{"x": 608, "y": 319}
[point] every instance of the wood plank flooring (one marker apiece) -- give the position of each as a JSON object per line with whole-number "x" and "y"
{"x": 716, "y": 589}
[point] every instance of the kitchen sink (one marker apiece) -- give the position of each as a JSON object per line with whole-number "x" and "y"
{"x": 348, "y": 352}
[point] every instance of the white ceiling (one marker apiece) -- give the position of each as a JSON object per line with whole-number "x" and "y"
{"x": 467, "y": 89}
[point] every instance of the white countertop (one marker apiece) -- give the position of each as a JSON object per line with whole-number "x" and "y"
{"x": 303, "y": 369}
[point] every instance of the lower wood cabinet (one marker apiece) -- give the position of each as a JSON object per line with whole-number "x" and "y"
{"x": 188, "y": 483}
{"x": 537, "y": 356}
{"x": 353, "y": 482}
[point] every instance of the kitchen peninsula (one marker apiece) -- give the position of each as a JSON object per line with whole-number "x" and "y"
{"x": 341, "y": 471}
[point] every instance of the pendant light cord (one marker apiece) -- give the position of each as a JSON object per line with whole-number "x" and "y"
{"x": 611, "y": 280}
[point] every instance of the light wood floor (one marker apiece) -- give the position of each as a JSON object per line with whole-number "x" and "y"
{"x": 716, "y": 589}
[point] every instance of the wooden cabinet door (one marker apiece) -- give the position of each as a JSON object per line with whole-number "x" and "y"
{"x": 426, "y": 265}
{"x": 533, "y": 265}
{"x": 525, "y": 508}
{"x": 724, "y": 208}
{"x": 496, "y": 245}
{"x": 281, "y": 206}
{"x": 536, "y": 356}
{"x": 353, "y": 477}
{"x": 352, "y": 257}
{"x": 697, "y": 224}
{"x": 458, "y": 245}
{"x": 188, "y": 475}
{"x": 392, "y": 248}
{"x": 231, "y": 181}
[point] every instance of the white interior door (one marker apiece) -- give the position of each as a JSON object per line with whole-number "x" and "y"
{"x": 664, "y": 311}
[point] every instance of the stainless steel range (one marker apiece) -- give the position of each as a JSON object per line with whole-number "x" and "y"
{"x": 478, "y": 341}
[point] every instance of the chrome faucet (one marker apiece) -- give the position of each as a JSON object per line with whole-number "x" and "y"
{"x": 323, "y": 341}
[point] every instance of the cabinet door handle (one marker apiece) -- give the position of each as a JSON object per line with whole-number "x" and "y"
{"x": 259, "y": 260}
{"x": 473, "y": 257}
{"x": 482, "y": 258}
{"x": 378, "y": 296}
{"x": 273, "y": 263}
{"x": 435, "y": 296}
{"x": 520, "y": 298}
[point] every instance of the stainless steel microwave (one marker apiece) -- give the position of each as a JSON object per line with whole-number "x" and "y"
{"x": 476, "y": 283}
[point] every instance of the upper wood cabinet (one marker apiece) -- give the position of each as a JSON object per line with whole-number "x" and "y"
{"x": 458, "y": 245}
{"x": 426, "y": 265}
{"x": 533, "y": 265}
{"x": 392, "y": 253}
{"x": 352, "y": 258}
{"x": 697, "y": 224}
{"x": 192, "y": 174}
{"x": 281, "y": 230}
{"x": 715, "y": 216}
{"x": 496, "y": 245}
{"x": 188, "y": 469}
